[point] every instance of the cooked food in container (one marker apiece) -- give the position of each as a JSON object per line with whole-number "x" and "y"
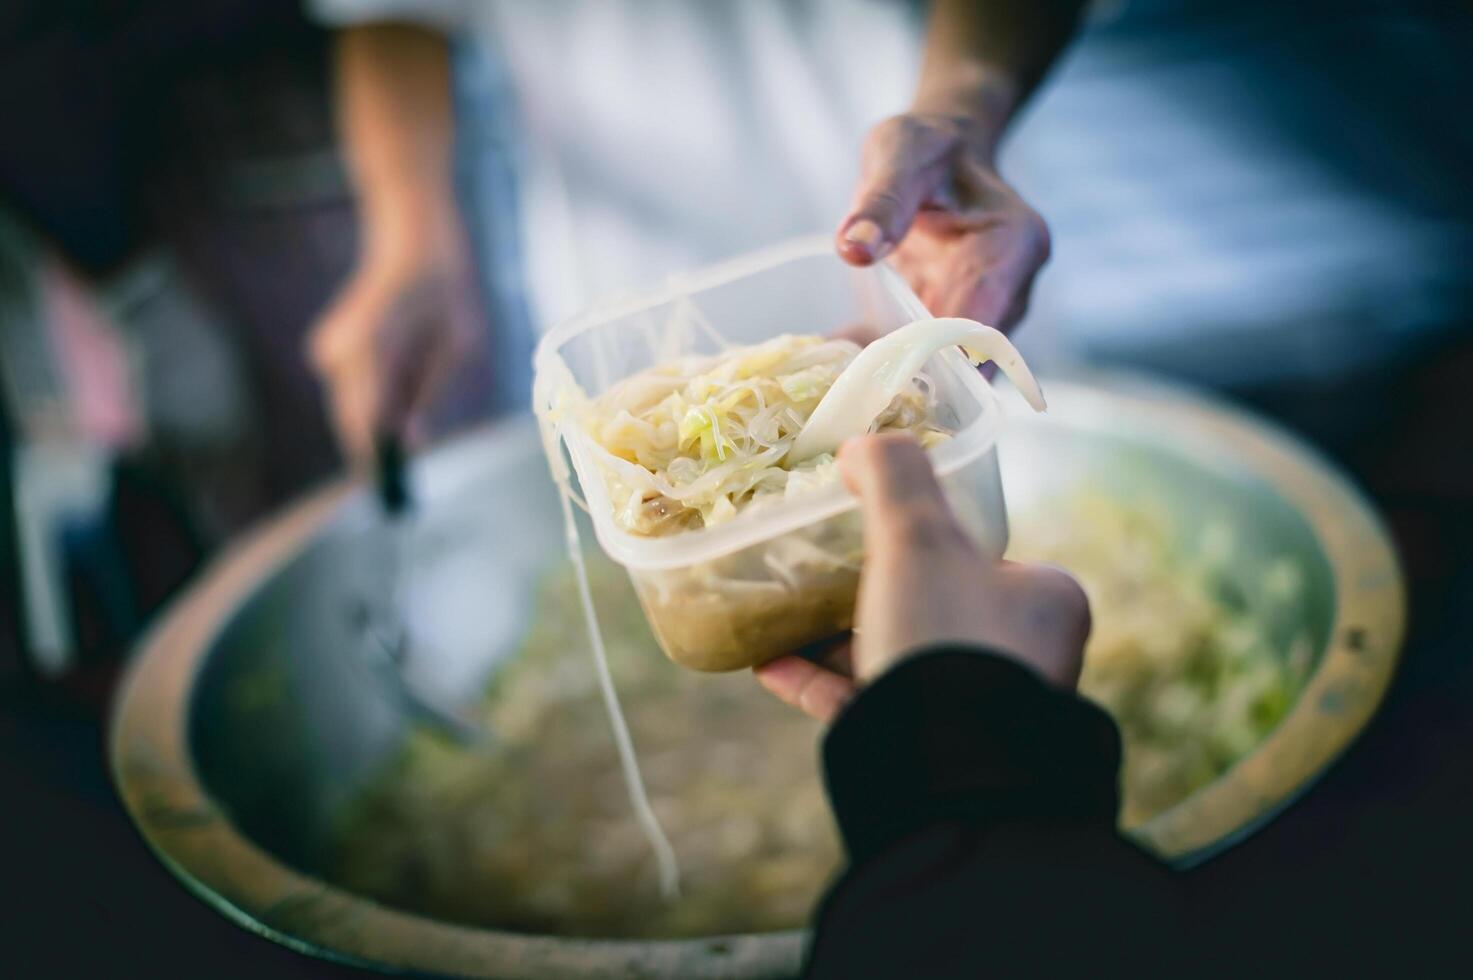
{"x": 684, "y": 418}
{"x": 698, "y": 444}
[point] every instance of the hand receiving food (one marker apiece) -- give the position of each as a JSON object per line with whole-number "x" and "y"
{"x": 930, "y": 199}
{"x": 388, "y": 345}
{"x": 924, "y": 584}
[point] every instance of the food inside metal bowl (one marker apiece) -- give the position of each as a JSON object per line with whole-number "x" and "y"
{"x": 1196, "y": 656}
{"x": 269, "y": 764}
{"x": 535, "y": 833}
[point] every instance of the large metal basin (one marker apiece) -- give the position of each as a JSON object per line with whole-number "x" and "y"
{"x": 249, "y": 717}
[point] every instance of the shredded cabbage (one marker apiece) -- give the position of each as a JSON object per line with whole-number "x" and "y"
{"x": 1197, "y": 665}
{"x": 691, "y": 443}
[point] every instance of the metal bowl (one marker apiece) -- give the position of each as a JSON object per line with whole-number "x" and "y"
{"x": 249, "y": 716}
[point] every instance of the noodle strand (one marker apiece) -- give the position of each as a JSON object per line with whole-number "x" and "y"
{"x": 665, "y": 859}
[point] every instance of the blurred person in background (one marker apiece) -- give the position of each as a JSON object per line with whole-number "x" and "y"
{"x": 648, "y": 138}
{"x": 1231, "y": 198}
{"x": 163, "y": 162}
{"x": 426, "y": 151}
{"x": 174, "y": 219}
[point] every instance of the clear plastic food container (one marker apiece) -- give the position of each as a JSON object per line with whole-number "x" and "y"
{"x": 785, "y": 574}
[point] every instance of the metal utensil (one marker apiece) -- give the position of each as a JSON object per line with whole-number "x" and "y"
{"x": 388, "y": 624}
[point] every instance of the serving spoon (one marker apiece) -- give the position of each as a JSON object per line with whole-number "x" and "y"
{"x": 880, "y": 371}
{"x": 389, "y": 626}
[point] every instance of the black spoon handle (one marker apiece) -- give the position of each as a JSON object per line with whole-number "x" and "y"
{"x": 391, "y": 466}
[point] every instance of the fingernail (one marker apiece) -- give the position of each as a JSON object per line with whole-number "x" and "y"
{"x": 865, "y": 232}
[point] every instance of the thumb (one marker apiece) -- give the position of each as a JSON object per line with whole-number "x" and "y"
{"x": 904, "y": 166}
{"x": 900, "y": 499}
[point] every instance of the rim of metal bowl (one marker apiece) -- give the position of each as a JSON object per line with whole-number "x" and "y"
{"x": 1360, "y": 653}
{"x": 155, "y": 775}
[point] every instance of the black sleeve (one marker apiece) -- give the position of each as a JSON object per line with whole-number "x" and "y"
{"x": 978, "y": 805}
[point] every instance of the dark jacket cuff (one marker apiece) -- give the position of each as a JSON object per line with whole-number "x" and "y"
{"x": 959, "y": 733}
